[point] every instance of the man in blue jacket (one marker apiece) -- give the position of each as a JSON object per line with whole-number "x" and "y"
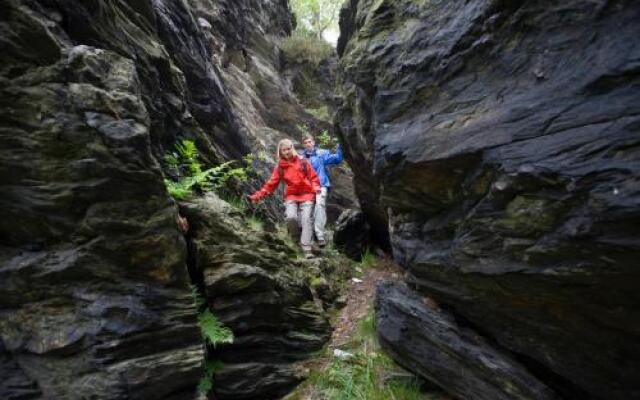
{"x": 320, "y": 159}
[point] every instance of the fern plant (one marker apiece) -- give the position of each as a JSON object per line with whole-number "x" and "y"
{"x": 206, "y": 382}
{"x": 185, "y": 165}
{"x": 213, "y": 330}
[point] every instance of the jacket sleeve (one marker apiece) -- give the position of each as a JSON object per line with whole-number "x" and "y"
{"x": 313, "y": 177}
{"x": 335, "y": 158}
{"x": 269, "y": 187}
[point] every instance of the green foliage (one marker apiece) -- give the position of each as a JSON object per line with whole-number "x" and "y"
{"x": 326, "y": 140}
{"x": 198, "y": 300}
{"x": 212, "y": 329}
{"x": 320, "y": 112}
{"x": 179, "y": 190}
{"x": 366, "y": 375}
{"x": 303, "y": 49}
{"x": 323, "y": 139}
{"x": 283, "y": 235}
{"x": 254, "y": 223}
{"x": 214, "y": 333}
{"x": 317, "y": 281}
{"x": 314, "y": 17}
{"x": 367, "y": 327}
{"x": 368, "y": 259}
{"x": 206, "y": 382}
{"x": 239, "y": 203}
{"x": 185, "y": 164}
{"x": 262, "y": 156}
{"x": 248, "y": 159}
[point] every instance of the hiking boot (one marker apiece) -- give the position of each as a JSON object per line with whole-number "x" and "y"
{"x": 321, "y": 243}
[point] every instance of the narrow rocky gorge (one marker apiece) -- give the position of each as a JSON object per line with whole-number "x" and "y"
{"x": 495, "y": 150}
{"x": 95, "y": 295}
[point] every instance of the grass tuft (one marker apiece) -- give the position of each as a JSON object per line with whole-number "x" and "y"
{"x": 255, "y": 223}
{"x": 368, "y": 259}
{"x": 367, "y": 375}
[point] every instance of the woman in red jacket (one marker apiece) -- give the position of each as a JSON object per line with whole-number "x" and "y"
{"x": 302, "y": 186}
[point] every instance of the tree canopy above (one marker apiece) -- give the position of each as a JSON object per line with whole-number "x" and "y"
{"x": 314, "y": 17}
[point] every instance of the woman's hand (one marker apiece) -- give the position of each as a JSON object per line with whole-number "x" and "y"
{"x": 253, "y": 198}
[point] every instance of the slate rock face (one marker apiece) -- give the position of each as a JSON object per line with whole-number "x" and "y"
{"x": 94, "y": 290}
{"x": 254, "y": 285}
{"x": 352, "y": 233}
{"x": 429, "y": 340}
{"x": 500, "y": 142}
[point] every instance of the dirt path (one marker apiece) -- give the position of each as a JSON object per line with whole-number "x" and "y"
{"x": 360, "y": 298}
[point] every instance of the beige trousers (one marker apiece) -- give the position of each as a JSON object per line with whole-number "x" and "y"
{"x": 300, "y": 215}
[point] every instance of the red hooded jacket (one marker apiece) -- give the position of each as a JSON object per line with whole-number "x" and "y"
{"x": 300, "y": 186}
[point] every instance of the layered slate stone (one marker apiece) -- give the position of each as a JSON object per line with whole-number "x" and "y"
{"x": 255, "y": 286}
{"x": 426, "y": 339}
{"x": 500, "y": 144}
{"x": 94, "y": 291}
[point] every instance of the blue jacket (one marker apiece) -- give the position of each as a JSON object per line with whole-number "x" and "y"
{"x": 320, "y": 159}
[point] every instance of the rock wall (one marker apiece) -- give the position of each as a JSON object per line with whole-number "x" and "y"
{"x": 414, "y": 329}
{"x": 499, "y": 142}
{"x": 254, "y": 284}
{"x": 94, "y": 291}
{"x": 263, "y": 86}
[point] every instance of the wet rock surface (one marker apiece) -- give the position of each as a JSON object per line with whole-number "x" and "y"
{"x": 500, "y": 142}
{"x": 428, "y": 340}
{"x": 264, "y": 295}
{"x": 94, "y": 291}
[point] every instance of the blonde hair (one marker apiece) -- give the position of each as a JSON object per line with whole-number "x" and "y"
{"x": 307, "y": 136}
{"x": 285, "y": 142}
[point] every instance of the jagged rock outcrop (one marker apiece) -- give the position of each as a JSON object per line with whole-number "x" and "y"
{"x": 94, "y": 291}
{"x": 264, "y": 296}
{"x": 352, "y": 234}
{"x": 428, "y": 340}
{"x": 500, "y": 141}
{"x": 93, "y": 288}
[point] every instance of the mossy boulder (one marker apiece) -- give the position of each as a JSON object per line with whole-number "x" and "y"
{"x": 259, "y": 287}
